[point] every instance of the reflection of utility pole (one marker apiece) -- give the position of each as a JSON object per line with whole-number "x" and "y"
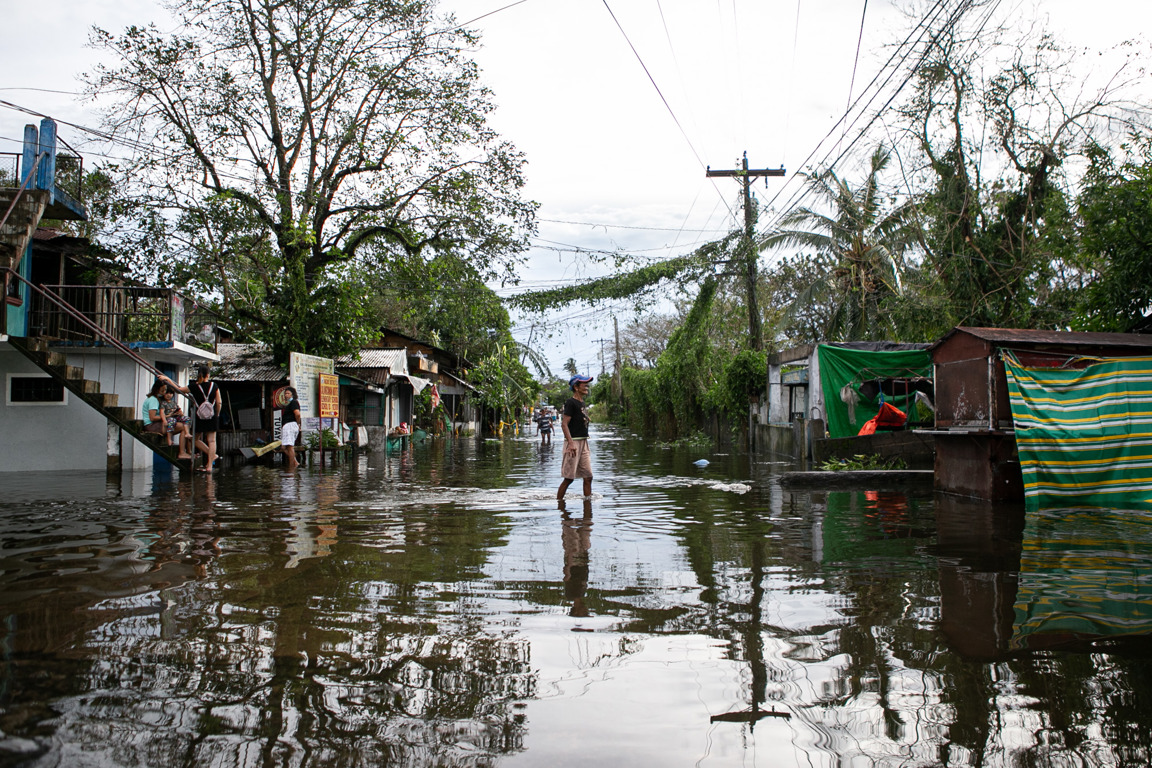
{"x": 755, "y": 337}
{"x": 754, "y": 652}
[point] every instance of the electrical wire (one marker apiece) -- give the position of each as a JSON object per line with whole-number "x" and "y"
{"x": 660, "y": 93}
{"x": 856, "y": 59}
{"x": 630, "y": 226}
{"x": 904, "y": 51}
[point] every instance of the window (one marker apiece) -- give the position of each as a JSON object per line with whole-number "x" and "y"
{"x": 12, "y": 291}
{"x": 33, "y": 389}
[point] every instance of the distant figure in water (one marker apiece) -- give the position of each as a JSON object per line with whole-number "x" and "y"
{"x": 577, "y": 461}
{"x": 544, "y": 427}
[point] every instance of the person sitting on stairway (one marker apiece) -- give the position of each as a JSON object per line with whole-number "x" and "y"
{"x": 150, "y": 412}
{"x": 176, "y": 423}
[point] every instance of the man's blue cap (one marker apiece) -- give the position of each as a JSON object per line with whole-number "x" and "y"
{"x": 572, "y": 382}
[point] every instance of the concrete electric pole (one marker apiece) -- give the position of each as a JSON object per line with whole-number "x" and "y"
{"x": 755, "y": 336}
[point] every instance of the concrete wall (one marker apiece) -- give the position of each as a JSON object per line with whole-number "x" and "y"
{"x": 49, "y": 436}
{"x": 74, "y": 435}
{"x": 778, "y": 440}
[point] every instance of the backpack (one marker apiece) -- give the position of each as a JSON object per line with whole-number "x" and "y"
{"x": 206, "y": 409}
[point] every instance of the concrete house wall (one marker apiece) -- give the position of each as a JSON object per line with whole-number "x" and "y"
{"x": 73, "y": 435}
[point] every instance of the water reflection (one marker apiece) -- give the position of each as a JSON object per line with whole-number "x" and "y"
{"x": 437, "y": 608}
{"x": 576, "y": 535}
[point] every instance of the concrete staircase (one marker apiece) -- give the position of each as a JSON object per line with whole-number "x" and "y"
{"x": 21, "y": 224}
{"x": 55, "y": 365}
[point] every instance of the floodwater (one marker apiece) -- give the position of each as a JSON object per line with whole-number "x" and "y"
{"x": 438, "y": 609}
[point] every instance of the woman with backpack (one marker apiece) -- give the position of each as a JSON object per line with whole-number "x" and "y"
{"x": 206, "y": 397}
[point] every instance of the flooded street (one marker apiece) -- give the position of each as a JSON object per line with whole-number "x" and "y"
{"x": 437, "y": 608}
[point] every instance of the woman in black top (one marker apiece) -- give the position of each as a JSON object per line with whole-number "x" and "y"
{"x": 290, "y": 431}
{"x": 200, "y": 391}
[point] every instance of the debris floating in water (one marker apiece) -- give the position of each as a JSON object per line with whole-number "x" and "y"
{"x": 701, "y": 462}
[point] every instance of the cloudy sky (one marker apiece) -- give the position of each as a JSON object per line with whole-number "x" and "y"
{"x": 620, "y": 105}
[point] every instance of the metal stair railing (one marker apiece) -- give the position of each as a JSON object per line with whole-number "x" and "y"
{"x": 85, "y": 321}
{"x": 114, "y": 414}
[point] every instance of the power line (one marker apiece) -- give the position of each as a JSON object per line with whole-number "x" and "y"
{"x": 856, "y": 60}
{"x": 630, "y": 226}
{"x": 660, "y": 93}
{"x": 904, "y": 51}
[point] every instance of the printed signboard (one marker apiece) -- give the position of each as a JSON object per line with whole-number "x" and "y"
{"x": 329, "y": 396}
{"x": 304, "y": 373}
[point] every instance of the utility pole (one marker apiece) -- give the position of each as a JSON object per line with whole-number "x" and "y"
{"x": 755, "y": 337}
{"x": 616, "y": 327}
{"x": 617, "y": 384}
{"x": 603, "y": 369}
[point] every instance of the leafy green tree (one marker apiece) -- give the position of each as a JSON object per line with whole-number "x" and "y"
{"x": 555, "y": 393}
{"x": 669, "y": 399}
{"x": 795, "y": 309}
{"x": 743, "y": 377}
{"x": 284, "y": 138}
{"x": 862, "y": 236}
{"x": 1115, "y": 205}
{"x": 995, "y": 117}
{"x": 444, "y": 300}
{"x": 504, "y": 385}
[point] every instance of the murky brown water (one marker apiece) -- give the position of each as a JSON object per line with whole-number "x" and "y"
{"x": 438, "y": 609}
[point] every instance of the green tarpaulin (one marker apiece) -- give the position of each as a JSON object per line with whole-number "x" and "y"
{"x": 842, "y": 367}
{"x": 1084, "y": 435}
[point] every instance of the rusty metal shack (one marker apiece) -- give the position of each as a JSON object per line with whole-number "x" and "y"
{"x": 975, "y": 440}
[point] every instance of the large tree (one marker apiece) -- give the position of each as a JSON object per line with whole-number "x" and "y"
{"x": 1115, "y": 206}
{"x": 282, "y": 138}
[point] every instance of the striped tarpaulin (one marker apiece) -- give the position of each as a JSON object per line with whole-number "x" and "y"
{"x": 1084, "y": 574}
{"x": 1084, "y": 434}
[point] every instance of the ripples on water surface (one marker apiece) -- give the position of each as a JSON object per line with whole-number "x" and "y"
{"x": 438, "y": 609}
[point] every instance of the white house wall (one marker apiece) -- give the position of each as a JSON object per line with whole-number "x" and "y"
{"x": 48, "y": 436}
{"x": 72, "y": 435}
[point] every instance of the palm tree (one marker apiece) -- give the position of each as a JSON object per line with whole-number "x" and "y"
{"x": 864, "y": 244}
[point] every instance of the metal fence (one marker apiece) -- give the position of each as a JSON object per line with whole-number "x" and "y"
{"x": 69, "y": 172}
{"x": 9, "y": 169}
{"x": 131, "y": 314}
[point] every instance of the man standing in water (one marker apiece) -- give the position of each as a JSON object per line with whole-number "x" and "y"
{"x": 577, "y": 462}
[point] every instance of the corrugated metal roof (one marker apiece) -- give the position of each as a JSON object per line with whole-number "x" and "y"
{"x": 246, "y": 362}
{"x": 459, "y": 381}
{"x": 1062, "y": 338}
{"x": 395, "y": 360}
{"x": 253, "y": 362}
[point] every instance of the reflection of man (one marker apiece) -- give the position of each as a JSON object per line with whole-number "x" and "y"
{"x": 576, "y": 536}
{"x": 577, "y": 462}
